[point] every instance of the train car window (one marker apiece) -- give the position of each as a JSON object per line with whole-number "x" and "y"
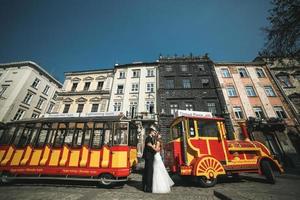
{"x": 132, "y": 135}
{"x": 69, "y": 133}
{"x": 9, "y": 133}
{"x": 60, "y": 134}
{"x": 121, "y": 133}
{"x": 34, "y": 133}
{"x": 78, "y": 135}
{"x": 42, "y": 137}
{"x": 192, "y": 132}
{"x": 18, "y": 135}
{"x": 51, "y": 136}
{"x": 25, "y": 137}
{"x": 208, "y": 128}
{"x": 98, "y": 135}
{"x": 88, "y": 133}
{"x": 177, "y": 130}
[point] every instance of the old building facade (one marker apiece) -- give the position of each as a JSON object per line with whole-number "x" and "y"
{"x": 252, "y": 97}
{"x": 27, "y": 91}
{"x": 85, "y": 92}
{"x": 187, "y": 83}
{"x": 134, "y": 94}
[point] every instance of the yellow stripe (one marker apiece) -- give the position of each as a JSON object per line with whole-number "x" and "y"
{"x": 2, "y": 152}
{"x": 119, "y": 159}
{"x": 35, "y": 158}
{"x": 7, "y": 156}
{"x": 27, "y": 155}
{"x": 45, "y": 155}
{"x": 64, "y": 157}
{"x": 74, "y": 158}
{"x": 105, "y": 159}
{"x": 208, "y": 146}
{"x": 54, "y": 157}
{"x": 17, "y": 157}
{"x": 95, "y": 159}
{"x": 84, "y": 157}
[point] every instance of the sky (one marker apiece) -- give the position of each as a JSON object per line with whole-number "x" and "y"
{"x": 75, "y": 35}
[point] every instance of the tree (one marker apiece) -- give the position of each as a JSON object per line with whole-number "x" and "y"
{"x": 283, "y": 33}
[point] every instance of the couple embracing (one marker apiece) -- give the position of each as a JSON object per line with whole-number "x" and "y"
{"x": 155, "y": 176}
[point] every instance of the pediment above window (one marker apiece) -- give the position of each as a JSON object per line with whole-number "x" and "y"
{"x": 81, "y": 99}
{"x": 76, "y": 79}
{"x": 95, "y": 99}
{"x": 100, "y": 77}
{"x": 282, "y": 74}
{"x": 68, "y": 100}
{"x": 88, "y": 78}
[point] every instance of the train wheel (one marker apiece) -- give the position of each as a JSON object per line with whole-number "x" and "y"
{"x": 205, "y": 182}
{"x": 267, "y": 171}
{"x": 105, "y": 180}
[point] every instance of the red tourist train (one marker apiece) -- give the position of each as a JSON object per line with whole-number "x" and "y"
{"x": 99, "y": 148}
{"x": 199, "y": 149}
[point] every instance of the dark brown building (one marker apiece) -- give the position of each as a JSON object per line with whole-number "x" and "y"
{"x": 188, "y": 83}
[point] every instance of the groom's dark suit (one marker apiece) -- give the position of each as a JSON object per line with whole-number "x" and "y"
{"x": 148, "y": 155}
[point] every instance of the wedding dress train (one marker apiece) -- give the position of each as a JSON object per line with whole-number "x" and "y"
{"x": 161, "y": 180}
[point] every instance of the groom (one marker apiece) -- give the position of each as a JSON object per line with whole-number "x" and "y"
{"x": 148, "y": 155}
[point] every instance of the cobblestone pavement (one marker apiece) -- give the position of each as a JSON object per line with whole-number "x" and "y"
{"x": 249, "y": 187}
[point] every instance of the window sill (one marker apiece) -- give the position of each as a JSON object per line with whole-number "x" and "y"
{"x": 119, "y": 93}
{"x": 34, "y": 87}
{"x": 150, "y": 76}
{"x": 290, "y": 87}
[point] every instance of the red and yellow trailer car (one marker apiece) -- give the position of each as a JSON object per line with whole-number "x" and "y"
{"x": 101, "y": 149}
{"x": 199, "y": 149}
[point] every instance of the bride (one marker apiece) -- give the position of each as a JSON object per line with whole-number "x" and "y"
{"x": 161, "y": 180}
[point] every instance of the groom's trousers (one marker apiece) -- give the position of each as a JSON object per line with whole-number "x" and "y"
{"x": 148, "y": 175}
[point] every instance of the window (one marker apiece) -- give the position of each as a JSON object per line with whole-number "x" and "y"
{"x": 135, "y": 73}
{"x": 189, "y": 106}
{"x": 46, "y": 90}
{"x": 231, "y": 91}
{"x": 150, "y": 72}
{"x": 184, "y": 68}
{"x": 201, "y": 68}
{"x": 34, "y": 115}
{"x": 212, "y": 107}
{"x": 95, "y": 107}
{"x": 205, "y": 83}
{"x": 285, "y": 81}
{"x": 169, "y": 83}
{"x": 259, "y": 112}
{"x": 80, "y": 108}
{"x": 250, "y": 91}
{"x": 238, "y": 112}
{"x": 51, "y": 105}
{"x": 19, "y": 114}
{"x": 173, "y": 108}
{"x": 150, "y": 107}
{"x": 208, "y": 128}
{"x": 86, "y": 86}
{"x": 121, "y": 134}
{"x": 243, "y": 72}
{"x": 74, "y": 86}
{"x": 66, "y": 108}
{"x": 122, "y": 74}
{"x": 168, "y": 68}
{"x": 280, "y": 112}
{"x": 35, "y": 83}
{"x": 40, "y": 103}
{"x": 225, "y": 73}
{"x": 28, "y": 98}
{"x": 117, "y": 106}
{"x": 132, "y": 109}
{"x": 135, "y": 87}
{"x": 3, "y": 89}
{"x": 55, "y": 96}
{"x": 186, "y": 83}
{"x": 100, "y": 85}
{"x": 260, "y": 73}
{"x": 177, "y": 130}
{"x": 97, "y": 136}
{"x": 269, "y": 91}
{"x": 120, "y": 89}
{"x": 150, "y": 87}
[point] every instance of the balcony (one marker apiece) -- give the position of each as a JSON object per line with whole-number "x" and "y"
{"x": 143, "y": 116}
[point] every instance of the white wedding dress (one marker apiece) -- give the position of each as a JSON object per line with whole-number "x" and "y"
{"x": 161, "y": 180}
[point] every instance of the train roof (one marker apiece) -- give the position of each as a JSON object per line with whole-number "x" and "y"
{"x": 73, "y": 119}
{"x": 197, "y": 117}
